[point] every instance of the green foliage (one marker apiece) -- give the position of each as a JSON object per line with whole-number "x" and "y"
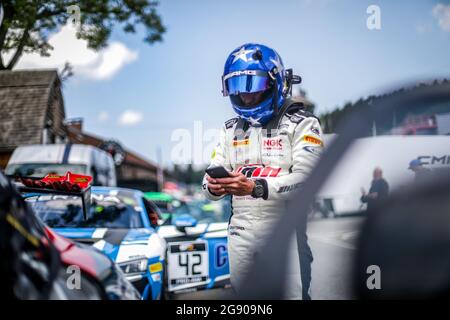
{"x": 27, "y": 24}
{"x": 330, "y": 120}
{"x": 187, "y": 174}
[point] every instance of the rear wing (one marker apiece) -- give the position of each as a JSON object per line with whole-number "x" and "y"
{"x": 70, "y": 185}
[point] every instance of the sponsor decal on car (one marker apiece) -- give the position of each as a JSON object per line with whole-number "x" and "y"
{"x": 221, "y": 255}
{"x": 155, "y": 267}
{"x": 433, "y": 159}
{"x": 186, "y": 247}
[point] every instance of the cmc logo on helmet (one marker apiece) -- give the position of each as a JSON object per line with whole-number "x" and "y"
{"x": 240, "y": 73}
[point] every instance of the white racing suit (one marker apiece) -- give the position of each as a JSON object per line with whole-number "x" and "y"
{"x": 282, "y": 153}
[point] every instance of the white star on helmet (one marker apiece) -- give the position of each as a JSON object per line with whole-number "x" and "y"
{"x": 241, "y": 54}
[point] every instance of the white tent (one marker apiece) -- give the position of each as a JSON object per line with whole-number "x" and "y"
{"x": 392, "y": 154}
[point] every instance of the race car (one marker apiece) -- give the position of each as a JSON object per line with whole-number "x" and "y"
{"x": 40, "y": 264}
{"x": 100, "y": 276}
{"x": 117, "y": 221}
{"x": 196, "y": 235}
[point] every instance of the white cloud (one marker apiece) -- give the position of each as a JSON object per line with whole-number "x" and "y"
{"x": 442, "y": 13}
{"x": 423, "y": 28}
{"x": 92, "y": 64}
{"x": 103, "y": 116}
{"x": 130, "y": 117}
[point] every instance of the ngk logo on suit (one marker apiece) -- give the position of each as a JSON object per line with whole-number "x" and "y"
{"x": 273, "y": 144}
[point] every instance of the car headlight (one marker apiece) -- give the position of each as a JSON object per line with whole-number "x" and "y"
{"x": 135, "y": 266}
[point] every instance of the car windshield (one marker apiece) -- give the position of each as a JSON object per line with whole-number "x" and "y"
{"x": 180, "y": 207}
{"x": 116, "y": 209}
{"x": 42, "y": 169}
{"x": 171, "y": 209}
{"x": 205, "y": 211}
{"x": 163, "y": 206}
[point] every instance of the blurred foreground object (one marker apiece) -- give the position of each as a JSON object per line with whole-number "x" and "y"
{"x": 401, "y": 233}
{"x": 37, "y": 264}
{"x": 29, "y": 263}
{"x": 408, "y": 238}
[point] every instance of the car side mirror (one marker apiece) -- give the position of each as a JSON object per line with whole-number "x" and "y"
{"x": 184, "y": 221}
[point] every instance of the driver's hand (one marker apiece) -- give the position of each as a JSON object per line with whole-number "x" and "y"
{"x": 373, "y": 195}
{"x": 215, "y": 187}
{"x": 238, "y": 184}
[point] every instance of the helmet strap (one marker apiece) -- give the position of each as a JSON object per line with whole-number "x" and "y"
{"x": 275, "y": 98}
{"x": 275, "y": 90}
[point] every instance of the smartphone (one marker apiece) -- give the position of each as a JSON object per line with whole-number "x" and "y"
{"x": 217, "y": 172}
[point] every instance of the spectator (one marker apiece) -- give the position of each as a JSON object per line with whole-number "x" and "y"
{"x": 378, "y": 191}
{"x": 421, "y": 173}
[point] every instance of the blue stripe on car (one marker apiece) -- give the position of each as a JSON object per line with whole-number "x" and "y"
{"x": 111, "y": 250}
{"x": 76, "y": 233}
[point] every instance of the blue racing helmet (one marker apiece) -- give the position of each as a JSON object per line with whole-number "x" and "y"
{"x": 255, "y": 79}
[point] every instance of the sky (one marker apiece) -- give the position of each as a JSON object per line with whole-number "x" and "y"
{"x": 141, "y": 94}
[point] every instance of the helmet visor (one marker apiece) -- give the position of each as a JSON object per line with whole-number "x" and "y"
{"x": 247, "y": 84}
{"x": 250, "y": 100}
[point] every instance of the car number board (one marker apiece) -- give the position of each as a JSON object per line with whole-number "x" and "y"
{"x": 187, "y": 264}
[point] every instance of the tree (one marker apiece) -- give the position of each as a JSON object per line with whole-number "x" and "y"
{"x": 27, "y": 24}
{"x": 302, "y": 95}
{"x": 187, "y": 174}
{"x": 330, "y": 120}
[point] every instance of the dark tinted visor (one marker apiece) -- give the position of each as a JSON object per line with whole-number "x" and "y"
{"x": 247, "y": 84}
{"x": 250, "y": 100}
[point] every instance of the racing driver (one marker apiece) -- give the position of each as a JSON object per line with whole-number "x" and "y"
{"x": 268, "y": 149}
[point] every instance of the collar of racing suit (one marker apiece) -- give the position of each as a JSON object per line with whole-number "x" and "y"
{"x": 289, "y": 107}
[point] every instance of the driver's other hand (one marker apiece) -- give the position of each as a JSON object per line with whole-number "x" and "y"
{"x": 214, "y": 187}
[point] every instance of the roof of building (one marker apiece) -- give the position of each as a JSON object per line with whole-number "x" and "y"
{"x": 25, "y": 99}
{"x": 77, "y": 135}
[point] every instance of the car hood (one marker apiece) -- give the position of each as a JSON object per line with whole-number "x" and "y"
{"x": 119, "y": 244}
{"x": 89, "y": 260}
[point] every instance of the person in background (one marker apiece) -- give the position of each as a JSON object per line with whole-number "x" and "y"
{"x": 378, "y": 191}
{"x": 421, "y": 173}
